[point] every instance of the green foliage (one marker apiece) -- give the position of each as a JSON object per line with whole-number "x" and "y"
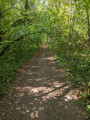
{"x": 68, "y": 26}
{"x": 69, "y": 38}
{"x": 19, "y": 39}
{"x": 64, "y": 26}
{"x": 88, "y": 109}
{"x": 13, "y": 60}
{"x": 82, "y": 101}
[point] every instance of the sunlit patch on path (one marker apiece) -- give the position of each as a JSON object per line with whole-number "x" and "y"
{"x": 41, "y": 93}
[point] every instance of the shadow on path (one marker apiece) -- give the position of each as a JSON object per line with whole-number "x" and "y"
{"x": 41, "y": 93}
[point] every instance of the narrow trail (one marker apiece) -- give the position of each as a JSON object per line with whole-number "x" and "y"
{"x": 41, "y": 93}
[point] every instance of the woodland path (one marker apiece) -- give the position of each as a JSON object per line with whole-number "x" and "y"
{"x": 40, "y": 92}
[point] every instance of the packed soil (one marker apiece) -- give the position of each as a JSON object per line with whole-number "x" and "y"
{"x": 40, "y": 92}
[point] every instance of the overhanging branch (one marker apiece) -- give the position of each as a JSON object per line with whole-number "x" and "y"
{"x": 21, "y": 37}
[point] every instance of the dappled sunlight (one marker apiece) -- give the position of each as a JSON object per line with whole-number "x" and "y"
{"x": 54, "y": 94}
{"x": 35, "y": 113}
{"x": 43, "y": 95}
{"x": 52, "y": 62}
{"x": 43, "y": 92}
{"x": 38, "y": 79}
{"x": 37, "y": 91}
{"x": 68, "y": 96}
{"x": 59, "y": 92}
{"x": 49, "y": 58}
{"x": 27, "y": 72}
{"x": 57, "y": 84}
{"x": 44, "y": 59}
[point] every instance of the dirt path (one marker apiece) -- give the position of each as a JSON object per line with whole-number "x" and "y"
{"x": 40, "y": 93}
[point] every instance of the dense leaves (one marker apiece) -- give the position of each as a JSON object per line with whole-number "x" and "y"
{"x": 68, "y": 23}
{"x": 62, "y": 24}
{"x": 19, "y": 38}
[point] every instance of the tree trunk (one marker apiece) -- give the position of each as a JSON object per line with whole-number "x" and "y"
{"x": 26, "y": 4}
{"x": 88, "y": 25}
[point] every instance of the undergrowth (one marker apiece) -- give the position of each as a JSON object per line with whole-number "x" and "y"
{"x": 76, "y": 74}
{"x": 12, "y": 60}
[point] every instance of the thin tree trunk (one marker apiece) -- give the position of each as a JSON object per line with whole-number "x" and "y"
{"x": 69, "y": 27}
{"x": 69, "y": 19}
{"x": 88, "y": 25}
{"x": 26, "y": 4}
